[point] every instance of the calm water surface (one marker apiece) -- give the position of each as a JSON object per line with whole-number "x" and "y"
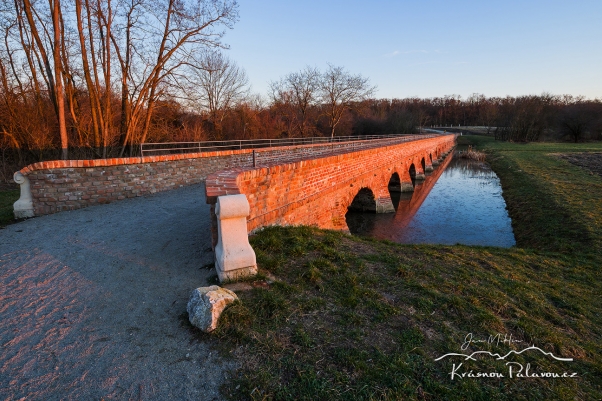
{"x": 460, "y": 202}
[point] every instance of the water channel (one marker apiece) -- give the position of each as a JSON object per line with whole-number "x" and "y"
{"x": 460, "y": 202}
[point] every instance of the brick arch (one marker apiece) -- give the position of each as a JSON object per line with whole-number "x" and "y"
{"x": 436, "y": 160}
{"x": 412, "y": 172}
{"x": 396, "y": 187}
{"x": 428, "y": 167}
{"x": 351, "y": 191}
{"x": 378, "y": 183}
{"x": 403, "y": 171}
{"x": 364, "y": 200}
{"x": 394, "y": 182}
{"x": 417, "y": 164}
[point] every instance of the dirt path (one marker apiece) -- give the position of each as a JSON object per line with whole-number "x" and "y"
{"x": 91, "y": 303}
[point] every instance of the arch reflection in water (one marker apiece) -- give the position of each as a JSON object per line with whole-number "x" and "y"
{"x": 460, "y": 202}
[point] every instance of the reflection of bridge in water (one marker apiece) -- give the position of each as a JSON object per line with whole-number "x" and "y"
{"x": 461, "y": 202}
{"x": 406, "y": 203}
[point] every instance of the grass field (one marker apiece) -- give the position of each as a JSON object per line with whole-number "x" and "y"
{"x": 354, "y": 318}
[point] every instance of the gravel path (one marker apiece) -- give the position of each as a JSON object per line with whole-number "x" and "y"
{"x": 92, "y": 303}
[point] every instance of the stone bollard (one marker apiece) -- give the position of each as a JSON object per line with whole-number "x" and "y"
{"x": 23, "y": 208}
{"x": 234, "y": 257}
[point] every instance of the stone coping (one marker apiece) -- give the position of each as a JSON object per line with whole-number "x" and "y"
{"x": 123, "y": 160}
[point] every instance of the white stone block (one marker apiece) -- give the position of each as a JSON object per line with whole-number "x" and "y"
{"x": 234, "y": 257}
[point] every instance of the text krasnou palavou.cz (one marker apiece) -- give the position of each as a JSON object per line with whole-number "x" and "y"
{"x": 515, "y": 371}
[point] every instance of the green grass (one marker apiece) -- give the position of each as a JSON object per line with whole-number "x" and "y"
{"x": 7, "y": 198}
{"x": 359, "y": 319}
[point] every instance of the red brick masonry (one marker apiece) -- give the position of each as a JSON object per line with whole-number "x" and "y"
{"x": 319, "y": 190}
{"x": 73, "y": 184}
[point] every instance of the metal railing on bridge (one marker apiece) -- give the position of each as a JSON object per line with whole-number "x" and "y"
{"x": 364, "y": 141}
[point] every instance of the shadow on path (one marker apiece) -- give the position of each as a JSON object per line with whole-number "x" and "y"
{"x": 92, "y": 302}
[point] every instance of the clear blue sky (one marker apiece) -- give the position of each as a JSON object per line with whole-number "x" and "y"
{"x": 427, "y": 48}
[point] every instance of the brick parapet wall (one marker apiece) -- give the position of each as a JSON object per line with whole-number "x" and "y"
{"x": 73, "y": 184}
{"x": 282, "y": 194}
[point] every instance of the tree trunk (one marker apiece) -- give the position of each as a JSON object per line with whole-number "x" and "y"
{"x": 92, "y": 94}
{"x": 58, "y": 72}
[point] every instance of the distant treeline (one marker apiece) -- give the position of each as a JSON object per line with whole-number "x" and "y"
{"x": 519, "y": 119}
{"x": 29, "y": 124}
{"x": 31, "y": 133}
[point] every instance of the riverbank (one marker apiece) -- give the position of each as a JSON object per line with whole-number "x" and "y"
{"x": 554, "y": 204}
{"x": 354, "y": 318}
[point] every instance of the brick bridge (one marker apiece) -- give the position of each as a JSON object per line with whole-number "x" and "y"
{"x": 320, "y": 191}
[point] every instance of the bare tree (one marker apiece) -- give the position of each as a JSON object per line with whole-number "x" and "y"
{"x": 221, "y": 85}
{"x": 186, "y": 24}
{"x": 248, "y": 112}
{"x": 65, "y": 55}
{"x": 488, "y": 113}
{"x": 91, "y": 75}
{"x": 154, "y": 41}
{"x": 422, "y": 118}
{"x": 284, "y": 107}
{"x": 580, "y": 117}
{"x": 300, "y": 91}
{"x": 46, "y": 43}
{"x": 340, "y": 90}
